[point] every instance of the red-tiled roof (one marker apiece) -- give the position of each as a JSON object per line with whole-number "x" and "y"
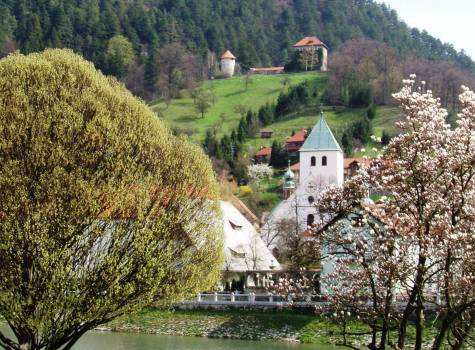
{"x": 264, "y": 152}
{"x": 309, "y": 41}
{"x": 298, "y": 137}
{"x": 228, "y": 55}
{"x": 295, "y": 167}
{"x": 349, "y": 161}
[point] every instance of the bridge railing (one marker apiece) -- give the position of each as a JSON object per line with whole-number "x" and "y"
{"x": 252, "y": 298}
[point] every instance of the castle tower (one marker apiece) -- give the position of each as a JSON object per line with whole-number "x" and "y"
{"x": 321, "y": 158}
{"x": 289, "y": 183}
{"x": 228, "y": 61}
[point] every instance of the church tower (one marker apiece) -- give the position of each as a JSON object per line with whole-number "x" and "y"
{"x": 321, "y": 158}
{"x": 289, "y": 184}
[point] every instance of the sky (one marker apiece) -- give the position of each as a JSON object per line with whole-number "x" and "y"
{"x": 451, "y": 21}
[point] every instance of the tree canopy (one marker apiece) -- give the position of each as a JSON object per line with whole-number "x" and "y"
{"x": 209, "y": 25}
{"x": 93, "y": 222}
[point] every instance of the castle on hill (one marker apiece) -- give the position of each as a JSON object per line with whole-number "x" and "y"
{"x": 315, "y": 49}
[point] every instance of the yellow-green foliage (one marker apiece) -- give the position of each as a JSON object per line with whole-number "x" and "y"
{"x": 245, "y": 189}
{"x": 102, "y": 210}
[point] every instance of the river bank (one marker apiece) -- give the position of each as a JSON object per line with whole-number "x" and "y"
{"x": 283, "y": 326}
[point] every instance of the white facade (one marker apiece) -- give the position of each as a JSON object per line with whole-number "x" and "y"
{"x": 244, "y": 248}
{"x": 312, "y": 166}
{"x": 324, "y": 66}
{"x": 227, "y": 67}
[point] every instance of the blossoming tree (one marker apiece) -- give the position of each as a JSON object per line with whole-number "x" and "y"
{"x": 424, "y": 249}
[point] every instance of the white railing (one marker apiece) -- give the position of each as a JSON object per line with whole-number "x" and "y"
{"x": 249, "y": 298}
{"x": 271, "y": 300}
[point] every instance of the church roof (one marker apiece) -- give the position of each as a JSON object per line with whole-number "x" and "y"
{"x": 321, "y": 138}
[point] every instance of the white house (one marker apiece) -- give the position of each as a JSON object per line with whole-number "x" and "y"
{"x": 248, "y": 261}
{"x": 313, "y": 44}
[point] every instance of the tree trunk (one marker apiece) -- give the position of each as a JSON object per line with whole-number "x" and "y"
{"x": 416, "y": 290}
{"x": 444, "y": 327}
{"x": 419, "y": 325}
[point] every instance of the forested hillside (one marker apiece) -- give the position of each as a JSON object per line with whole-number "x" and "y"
{"x": 259, "y": 32}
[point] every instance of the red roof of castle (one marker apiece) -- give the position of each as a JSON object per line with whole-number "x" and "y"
{"x": 309, "y": 41}
{"x": 228, "y": 55}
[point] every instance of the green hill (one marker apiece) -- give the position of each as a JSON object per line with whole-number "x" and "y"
{"x": 182, "y": 116}
{"x": 338, "y": 120}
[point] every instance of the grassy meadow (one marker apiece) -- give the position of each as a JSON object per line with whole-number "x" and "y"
{"x": 182, "y": 115}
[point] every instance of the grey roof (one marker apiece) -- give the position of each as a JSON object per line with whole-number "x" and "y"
{"x": 321, "y": 138}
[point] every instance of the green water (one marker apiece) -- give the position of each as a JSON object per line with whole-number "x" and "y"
{"x": 131, "y": 341}
{"x": 127, "y": 341}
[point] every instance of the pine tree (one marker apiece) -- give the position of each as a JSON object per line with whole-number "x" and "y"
{"x": 278, "y": 158}
{"x": 346, "y": 144}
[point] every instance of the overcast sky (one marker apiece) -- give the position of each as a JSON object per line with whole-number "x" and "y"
{"x": 451, "y": 21}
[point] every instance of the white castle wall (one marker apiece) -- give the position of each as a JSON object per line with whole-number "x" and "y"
{"x": 227, "y": 67}
{"x": 324, "y": 66}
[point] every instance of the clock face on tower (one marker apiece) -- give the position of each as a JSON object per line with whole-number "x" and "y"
{"x": 311, "y": 187}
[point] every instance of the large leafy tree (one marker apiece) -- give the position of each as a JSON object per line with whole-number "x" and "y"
{"x": 119, "y": 55}
{"x": 103, "y": 211}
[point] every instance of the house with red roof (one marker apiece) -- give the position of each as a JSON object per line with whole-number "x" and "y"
{"x": 293, "y": 143}
{"x": 313, "y": 43}
{"x": 263, "y": 155}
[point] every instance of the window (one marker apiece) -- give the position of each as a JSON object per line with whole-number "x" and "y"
{"x": 235, "y": 226}
{"x": 311, "y": 200}
{"x": 313, "y": 161}
{"x": 310, "y": 219}
{"x": 324, "y": 160}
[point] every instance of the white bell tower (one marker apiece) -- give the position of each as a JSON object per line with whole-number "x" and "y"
{"x": 321, "y": 158}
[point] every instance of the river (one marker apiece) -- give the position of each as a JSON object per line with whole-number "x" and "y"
{"x": 131, "y": 341}
{"x": 128, "y": 341}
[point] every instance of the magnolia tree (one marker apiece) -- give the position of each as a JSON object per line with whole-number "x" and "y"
{"x": 424, "y": 249}
{"x": 258, "y": 172}
{"x": 102, "y": 210}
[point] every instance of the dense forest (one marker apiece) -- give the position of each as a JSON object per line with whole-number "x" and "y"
{"x": 259, "y": 32}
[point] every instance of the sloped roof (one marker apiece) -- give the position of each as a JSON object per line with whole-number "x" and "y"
{"x": 299, "y": 136}
{"x": 309, "y": 41}
{"x": 266, "y": 151}
{"x": 295, "y": 167}
{"x": 244, "y": 248}
{"x": 321, "y": 138}
{"x": 228, "y": 55}
{"x": 349, "y": 161}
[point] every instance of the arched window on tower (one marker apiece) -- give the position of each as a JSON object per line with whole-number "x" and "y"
{"x": 324, "y": 161}
{"x": 313, "y": 161}
{"x": 311, "y": 200}
{"x": 310, "y": 219}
